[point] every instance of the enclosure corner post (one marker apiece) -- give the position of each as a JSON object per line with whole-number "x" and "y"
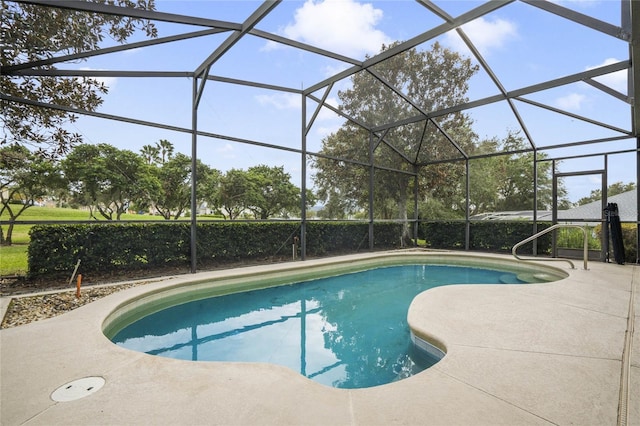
{"x": 631, "y": 23}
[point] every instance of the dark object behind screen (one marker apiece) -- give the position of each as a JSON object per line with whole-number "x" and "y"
{"x": 615, "y": 230}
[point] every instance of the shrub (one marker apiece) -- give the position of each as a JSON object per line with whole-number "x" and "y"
{"x": 629, "y": 236}
{"x": 495, "y": 236}
{"x": 116, "y": 247}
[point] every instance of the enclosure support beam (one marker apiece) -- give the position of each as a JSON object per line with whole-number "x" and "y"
{"x": 634, "y": 72}
{"x": 106, "y": 50}
{"x": 303, "y": 179}
{"x": 477, "y": 12}
{"x": 194, "y": 179}
{"x": 467, "y": 224}
{"x": 371, "y": 185}
{"x": 134, "y": 13}
{"x": 554, "y": 208}
{"x": 416, "y": 216}
{"x": 638, "y": 198}
{"x": 535, "y": 201}
{"x": 579, "y": 18}
{"x": 247, "y": 26}
{"x": 604, "y": 200}
{"x": 630, "y": 23}
{"x": 514, "y": 94}
{"x": 476, "y": 53}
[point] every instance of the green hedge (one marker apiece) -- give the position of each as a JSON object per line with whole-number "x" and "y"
{"x": 501, "y": 236}
{"x": 106, "y": 248}
{"x": 223, "y": 242}
{"x": 118, "y": 248}
{"x": 629, "y": 236}
{"x": 55, "y": 249}
{"x": 490, "y": 236}
{"x": 334, "y": 237}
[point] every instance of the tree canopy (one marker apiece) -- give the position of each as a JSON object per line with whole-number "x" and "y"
{"x": 174, "y": 178}
{"x": 613, "y": 189}
{"x": 430, "y": 79}
{"x": 107, "y": 178}
{"x": 263, "y": 190}
{"x": 273, "y": 194}
{"x": 506, "y": 182}
{"x": 25, "y": 178}
{"x": 35, "y": 34}
{"x": 430, "y": 154}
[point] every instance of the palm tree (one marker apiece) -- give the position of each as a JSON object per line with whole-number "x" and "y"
{"x": 150, "y": 153}
{"x": 166, "y": 150}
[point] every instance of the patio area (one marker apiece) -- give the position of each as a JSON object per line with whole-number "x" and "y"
{"x": 553, "y": 353}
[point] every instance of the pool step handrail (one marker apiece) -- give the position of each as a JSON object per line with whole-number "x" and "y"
{"x": 549, "y": 229}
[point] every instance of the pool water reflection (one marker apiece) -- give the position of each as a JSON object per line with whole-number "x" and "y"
{"x": 347, "y": 331}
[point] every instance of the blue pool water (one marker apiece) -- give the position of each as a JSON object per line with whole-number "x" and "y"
{"x": 347, "y": 331}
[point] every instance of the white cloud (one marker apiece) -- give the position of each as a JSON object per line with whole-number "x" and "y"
{"x": 572, "y": 101}
{"x": 485, "y": 35}
{"x": 331, "y": 121}
{"x": 281, "y": 100}
{"x": 323, "y": 131}
{"x": 132, "y": 51}
{"x": 227, "y": 147}
{"x": 226, "y": 150}
{"x": 110, "y": 82}
{"x": 595, "y": 179}
{"x": 343, "y": 26}
{"x": 586, "y": 4}
{"x": 327, "y": 114}
{"x": 330, "y": 71}
{"x": 616, "y": 80}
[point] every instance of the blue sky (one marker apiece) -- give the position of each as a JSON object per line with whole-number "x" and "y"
{"x": 522, "y": 44}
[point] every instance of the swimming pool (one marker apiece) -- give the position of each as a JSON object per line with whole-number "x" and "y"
{"x": 348, "y": 331}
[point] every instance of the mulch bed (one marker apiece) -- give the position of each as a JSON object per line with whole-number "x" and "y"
{"x": 25, "y": 309}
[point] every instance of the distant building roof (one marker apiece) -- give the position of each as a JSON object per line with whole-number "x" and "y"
{"x": 512, "y": 215}
{"x": 627, "y": 208}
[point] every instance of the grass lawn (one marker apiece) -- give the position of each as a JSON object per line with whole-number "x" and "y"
{"x": 13, "y": 259}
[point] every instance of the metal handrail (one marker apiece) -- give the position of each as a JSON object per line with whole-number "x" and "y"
{"x": 549, "y": 229}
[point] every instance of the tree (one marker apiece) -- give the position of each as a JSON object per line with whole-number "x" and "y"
{"x": 25, "y": 178}
{"x": 165, "y": 149}
{"x": 159, "y": 153}
{"x": 234, "y": 193}
{"x": 613, "y": 189}
{"x": 39, "y": 33}
{"x": 310, "y": 201}
{"x": 331, "y": 208}
{"x": 150, "y": 153}
{"x": 272, "y": 192}
{"x": 174, "y": 176}
{"x": 433, "y": 79}
{"x": 505, "y": 182}
{"x": 108, "y": 179}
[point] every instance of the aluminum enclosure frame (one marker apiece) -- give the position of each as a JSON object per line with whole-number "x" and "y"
{"x": 629, "y": 31}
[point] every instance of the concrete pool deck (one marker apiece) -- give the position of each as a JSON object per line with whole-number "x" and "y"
{"x": 551, "y": 353}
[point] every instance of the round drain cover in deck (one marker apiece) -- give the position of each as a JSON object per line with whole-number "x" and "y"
{"x": 77, "y": 389}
